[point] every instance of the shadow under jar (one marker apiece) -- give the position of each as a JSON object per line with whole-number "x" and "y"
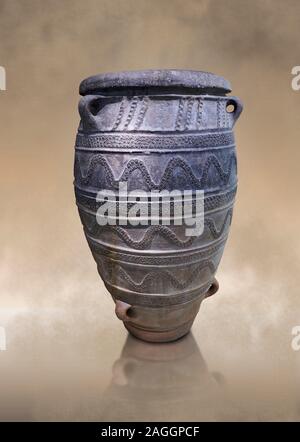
{"x": 155, "y": 131}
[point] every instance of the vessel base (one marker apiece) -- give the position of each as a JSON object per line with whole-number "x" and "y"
{"x": 159, "y": 335}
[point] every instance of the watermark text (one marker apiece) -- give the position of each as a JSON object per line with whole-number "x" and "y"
{"x": 296, "y": 78}
{"x": 2, "y": 339}
{"x": 296, "y": 338}
{"x": 2, "y": 79}
{"x": 157, "y": 207}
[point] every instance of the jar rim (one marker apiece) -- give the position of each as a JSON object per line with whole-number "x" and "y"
{"x": 198, "y": 81}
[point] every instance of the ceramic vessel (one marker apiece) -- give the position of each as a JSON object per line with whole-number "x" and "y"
{"x": 156, "y": 130}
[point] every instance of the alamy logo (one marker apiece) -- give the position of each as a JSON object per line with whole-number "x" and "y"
{"x": 157, "y": 207}
{"x": 2, "y": 79}
{"x": 296, "y": 338}
{"x": 2, "y": 339}
{"x": 296, "y": 78}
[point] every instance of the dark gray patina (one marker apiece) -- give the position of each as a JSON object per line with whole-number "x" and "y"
{"x": 157, "y": 130}
{"x": 162, "y": 78}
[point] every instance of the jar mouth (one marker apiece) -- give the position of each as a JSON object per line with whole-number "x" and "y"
{"x": 155, "y": 82}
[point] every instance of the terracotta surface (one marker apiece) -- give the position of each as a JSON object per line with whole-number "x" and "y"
{"x": 163, "y": 131}
{"x": 61, "y": 357}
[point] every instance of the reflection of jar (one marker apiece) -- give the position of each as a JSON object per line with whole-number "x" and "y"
{"x": 157, "y": 131}
{"x": 159, "y": 382}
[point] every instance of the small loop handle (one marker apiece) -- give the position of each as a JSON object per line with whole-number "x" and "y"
{"x": 238, "y": 108}
{"x": 213, "y": 288}
{"x": 122, "y": 309}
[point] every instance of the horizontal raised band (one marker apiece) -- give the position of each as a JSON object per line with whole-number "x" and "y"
{"x": 111, "y": 141}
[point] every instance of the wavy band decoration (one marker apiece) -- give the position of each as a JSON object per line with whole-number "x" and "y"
{"x": 136, "y": 164}
{"x": 151, "y": 232}
{"x": 153, "y": 277}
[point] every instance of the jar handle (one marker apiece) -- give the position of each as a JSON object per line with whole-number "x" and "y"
{"x": 87, "y": 108}
{"x": 237, "y": 107}
{"x": 122, "y": 309}
{"x": 213, "y": 288}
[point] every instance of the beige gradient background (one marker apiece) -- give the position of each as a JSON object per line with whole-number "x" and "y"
{"x": 63, "y": 359}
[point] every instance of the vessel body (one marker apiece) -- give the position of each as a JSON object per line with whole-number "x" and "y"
{"x": 150, "y": 132}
